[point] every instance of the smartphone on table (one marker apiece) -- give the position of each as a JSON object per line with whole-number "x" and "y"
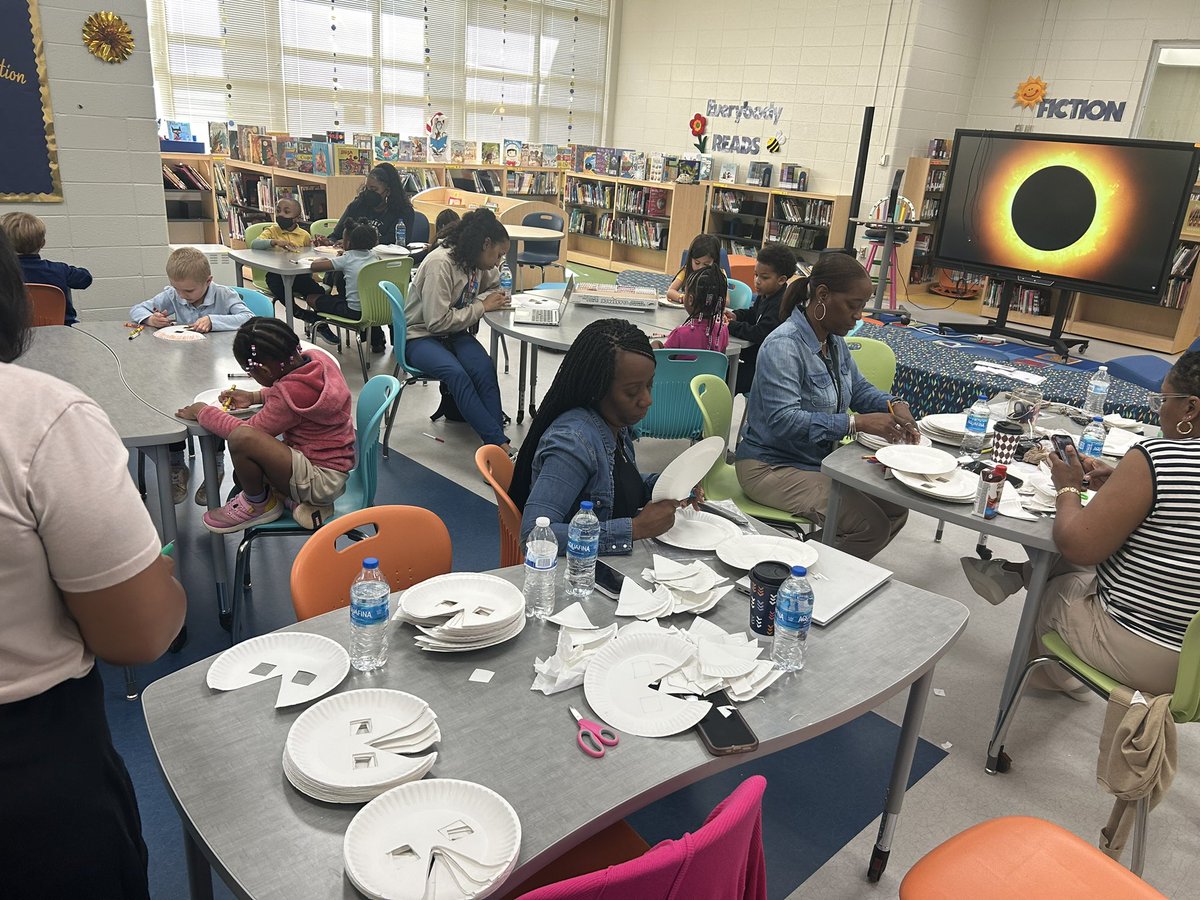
{"x": 608, "y": 580}
{"x": 725, "y": 734}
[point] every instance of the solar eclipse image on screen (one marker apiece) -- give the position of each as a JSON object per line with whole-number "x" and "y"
{"x": 1101, "y": 216}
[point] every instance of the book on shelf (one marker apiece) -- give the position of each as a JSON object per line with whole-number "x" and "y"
{"x": 931, "y": 208}
{"x": 566, "y": 156}
{"x": 706, "y": 164}
{"x": 641, "y": 200}
{"x": 612, "y": 162}
{"x": 531, "y": 154}
{"x": 541, "y": 184}
{"x": 654, "y": 167}
{"x": 599, "y": 161}
{"x": 220, "y": 177}
{"x": 633, "y": 165}
{"x": 589, "y": 193}
{"x": 670, "y": 168}
{"x": 218, "y": 138}
{"x": 363, "y": 141}
{"x": 549, "y": 154}
{"x": 688, "y": 171}
{"x": 1191, "y": 219}
{"x": 418, "y": 144}
{"x": 798, "y": 237}
{"x": 1027, "y": 300}
{"x": 352, "y": 160}
{"x": 511, "y": 151}
{"x": 462, "y": 152}
{"x": 727, "y": 201}
{"x": 286, "y": 192}
{"x": 192, "y": 177}
{"x": 313, "y": 202}
{"x": 172, "y": 181}
{"x": 333, "y": 137}
{"x": 759, "y": 174}
{"x": 728, "y": 173}
{"x": 285, "y": 153}
{"x": 387, "y": 147}
{"x": 1183, "y": 271}
{"x": 179, "y": 131}
{"x": 936, "y": 180}
{"x": 304, "y": 155}
{"x": 644, "y": 233}
{"x": 404, "y": 151}
{"x": 263, "y": 148}
{"x": 489, "y": 153}
{"x": 736, "y": 247}
{"x": 939, "y": 148}
{"x": 244, "y": 134}
{"x": 580, "y": 221}
{"x": 793, "y": 177}
{"x": 804, "y": 212}
{"x": 485, "y": 183}
{"x": 322, "y": 158}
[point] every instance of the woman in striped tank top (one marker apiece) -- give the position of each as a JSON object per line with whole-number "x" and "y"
{"x": 1141, "y": 533}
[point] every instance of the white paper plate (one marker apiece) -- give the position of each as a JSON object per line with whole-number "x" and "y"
{"x": 911, "y": 458}
{"x": 212, "y": 398}
{"x": 951, "y": 423}
{"x": 178, "y": 333}
{"x": 464, "y": 599}
{"x": 874, "y": 441}
{"x": 392, "y": 250}
{"x": 959, "y": 489}
{"x": 289, "y": 655}
{"x": 435, "y": 645}
{"x": 473, "y": 821}
{"x": 617, "y": 685}
{"x": 327, "y": 251}
{"x": 747, "y": 550}
{"x": 687, "y": 470}
{"x": 699, "y": 530}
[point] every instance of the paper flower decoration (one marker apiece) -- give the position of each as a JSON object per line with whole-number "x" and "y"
{"x": 699, "y": 126}
{"x": 107, "y": 37}
{"x": 1030, "y": 92}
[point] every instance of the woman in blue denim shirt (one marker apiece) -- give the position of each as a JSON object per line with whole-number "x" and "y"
{"x": 580, "y": 443}
{"x": 798, "y": 411}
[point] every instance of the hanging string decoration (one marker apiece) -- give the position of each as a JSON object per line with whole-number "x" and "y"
{"x": 571, "y": 94}
{"x": 503, "y": 62}
{"x": 229, "y": 81}
{"x": 337, "y": 115}
{"x": 428, "y": 100}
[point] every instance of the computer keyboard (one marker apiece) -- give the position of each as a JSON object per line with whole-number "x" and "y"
{"x": 612, "y": 288}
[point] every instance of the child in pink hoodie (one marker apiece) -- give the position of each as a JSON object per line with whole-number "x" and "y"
{"x": 304, "y": 399}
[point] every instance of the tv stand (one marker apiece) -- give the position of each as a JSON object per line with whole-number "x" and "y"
{"x": 1055, "y": 339}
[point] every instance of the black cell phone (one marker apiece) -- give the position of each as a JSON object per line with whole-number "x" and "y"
{"x": 1061, "y": 443}
{"x": 608, "y": 580}
{"x": 725, "y": 734}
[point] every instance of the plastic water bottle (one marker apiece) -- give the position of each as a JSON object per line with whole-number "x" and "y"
{"x": 401, "y": 234}
{"x": 793, "y": 616}
{"x": 583, "y": 546}
{"x": 541, "y": 560}
{"x": 1097, "y": 392}
{"x": 1092, "y": 442}
{"x": 369, "y": 595}
{"x": 506, "y": 280}
{"x": 976, "y": 432}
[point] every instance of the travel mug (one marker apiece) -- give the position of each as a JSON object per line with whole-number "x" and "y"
{"x": 765, "y": 580}
{"x": 1004, "y": 441}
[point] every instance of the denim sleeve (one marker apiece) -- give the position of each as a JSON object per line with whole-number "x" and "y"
{"x": 864, "y": 396}
{"x": 780, "y": 384}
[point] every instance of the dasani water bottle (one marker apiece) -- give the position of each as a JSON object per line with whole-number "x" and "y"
{"x": 583, "y": 546}
{"x": 369, "y": 617}
{"x": 793, "y": 616}
{"x": 975, "y": 434}
{"x": 541, "y": 561}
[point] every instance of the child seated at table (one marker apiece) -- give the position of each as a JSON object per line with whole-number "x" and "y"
{"x": 775, "y": 265}
{"x": 28, "y": 235}
{"x": 191, "y": 299}
{"x": 704, "y": 299}
{"x": 285, "y": 234}
{"x": 358, "y": 249}
{"x": 704, "y": 251}
{"x": 445, "y": 219}
{"x": 305, "y": 399}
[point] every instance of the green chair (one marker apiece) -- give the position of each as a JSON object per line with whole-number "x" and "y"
{"x": 396, "y": 296}
{"x": 875, "y": 359}
{"x": 258, "y": 276}
{"x": 721, "y": 483}
{"x": 1185, "y": 707}
{"x": 740, "y": 295}
{"x": 322, "y": 227}
{"x": 673, "y": 413}
{"x": 377, "y": 395}
{"x": 376, "y": 309}
{"x": 258, "y": 303}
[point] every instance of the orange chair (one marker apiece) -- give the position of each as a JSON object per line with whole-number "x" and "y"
{"x": 48, "y": 304}
{"x": 1017, "y": 857}
{"x": 497, "y": 469}
{"x": 411, "y": 544}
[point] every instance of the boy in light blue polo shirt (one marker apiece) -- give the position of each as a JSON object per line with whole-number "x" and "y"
{"x": 192, "y": 299}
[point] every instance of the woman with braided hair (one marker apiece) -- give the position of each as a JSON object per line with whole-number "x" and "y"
{"x": 304, "y": 399}
{"x": 580, "y": 443}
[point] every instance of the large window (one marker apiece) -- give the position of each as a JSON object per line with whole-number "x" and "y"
{"x": 496, "y": 69}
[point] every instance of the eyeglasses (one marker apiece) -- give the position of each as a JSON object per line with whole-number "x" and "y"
{"x": 1156, "y": 400}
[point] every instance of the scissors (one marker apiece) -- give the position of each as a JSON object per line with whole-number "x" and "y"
{"x": 593, "y": 737}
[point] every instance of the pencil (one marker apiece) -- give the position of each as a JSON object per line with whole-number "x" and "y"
{"x": 434, "y": 437}
{"x": 169, "y": 549}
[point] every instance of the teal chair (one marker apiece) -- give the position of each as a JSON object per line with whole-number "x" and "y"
{"x": 740, "y": 294}
{"x": 376, "y": 311}
{"x": 257, "y": 302}
{"x": 674, "y": 413}
{"x": 712, "y": 396}
{"x": 396, "y": 297}
{"x": 377, "y": 395}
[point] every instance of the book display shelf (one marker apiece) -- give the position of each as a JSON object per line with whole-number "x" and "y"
{"x": 924, "y": 184}
{"x": 194, "y": 195}
{"x": 745, "y": 217}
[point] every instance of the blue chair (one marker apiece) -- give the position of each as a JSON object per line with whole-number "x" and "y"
{"x": 396, "y": 296}
{"x": 740, "y": 294}
{"x": 257, "y": 302}
{"x": 674, "y": 412}
{"x": 1144, "y": 370}
{"x": 377, "y": 395}
{"x": 539, "y": 254}
{"x": 420, "y": 229}
{"x": 724, "y": 261}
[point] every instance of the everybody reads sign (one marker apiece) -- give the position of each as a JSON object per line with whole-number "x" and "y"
{"x": 27, "y": 145}
{"x": 745, "y": 111}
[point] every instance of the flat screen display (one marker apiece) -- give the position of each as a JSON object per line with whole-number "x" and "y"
{"x": 1101, "y": 216}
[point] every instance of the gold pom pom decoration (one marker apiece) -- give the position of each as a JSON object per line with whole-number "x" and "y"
{"x": 108, "y": 37}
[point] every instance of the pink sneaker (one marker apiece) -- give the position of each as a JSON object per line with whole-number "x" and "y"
{"x": 239, "y": 514}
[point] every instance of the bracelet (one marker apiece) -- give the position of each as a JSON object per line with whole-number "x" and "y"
{"x": 853, "y": 431}
{"x": 1067, "y": 490}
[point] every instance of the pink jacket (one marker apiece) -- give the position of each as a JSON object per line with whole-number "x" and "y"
{"x": 691, "y": 335}
{"x": 722, "y": 861}
{"x": 310, "y": 407}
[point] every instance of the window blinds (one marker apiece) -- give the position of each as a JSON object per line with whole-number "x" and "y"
{"x": 524, "y": 69}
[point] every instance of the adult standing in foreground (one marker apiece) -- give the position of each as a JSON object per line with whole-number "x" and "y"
{"x": 83, "y": 576}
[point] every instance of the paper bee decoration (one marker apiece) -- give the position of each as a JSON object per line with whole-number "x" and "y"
{"x": 776, "y": 142}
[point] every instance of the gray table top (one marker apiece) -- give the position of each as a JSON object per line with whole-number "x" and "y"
{"x": 221, "y": 752}
{"x": 79, "y": 358}
{"x": 277, "y": 260}
{"x": 849, "y": 466}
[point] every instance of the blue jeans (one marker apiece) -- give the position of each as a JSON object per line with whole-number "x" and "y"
{"x": 460, "y": 362}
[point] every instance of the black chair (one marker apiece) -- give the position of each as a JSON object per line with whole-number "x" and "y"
{"x": 539, "y": 254}
{"x": 420, "y": 229}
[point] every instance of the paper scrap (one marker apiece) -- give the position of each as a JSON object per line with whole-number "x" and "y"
{"x": 725, "y": 711}
{"x": 939, "y": 692}
{"x": 483, "y": 676}
{"x": 946, "y": 745}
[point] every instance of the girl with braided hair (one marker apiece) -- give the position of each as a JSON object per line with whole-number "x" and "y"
{"x": 580, "y": 443}
{"x": 704, "y": 300}
{"x": 304, "y": 398}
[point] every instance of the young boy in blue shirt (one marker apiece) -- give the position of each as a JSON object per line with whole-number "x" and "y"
{"x": 28, "y": 235}
{"x": 193, "y": 300}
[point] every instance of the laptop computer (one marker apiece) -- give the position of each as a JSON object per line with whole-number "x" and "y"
{"x": 542, "y": 307}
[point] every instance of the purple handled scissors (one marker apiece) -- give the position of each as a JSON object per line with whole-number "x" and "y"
{"x": 593, "y": 737}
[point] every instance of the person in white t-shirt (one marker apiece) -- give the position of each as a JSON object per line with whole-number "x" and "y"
{"x": 83, "y": 576}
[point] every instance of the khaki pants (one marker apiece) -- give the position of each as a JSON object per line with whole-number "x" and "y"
{"x": 865, "y": 524}
{"x": 1070, "y": 607}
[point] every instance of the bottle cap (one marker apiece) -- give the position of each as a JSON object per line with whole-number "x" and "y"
{"x": 586, "y": 504}
{"x": 799, "y": 571}
{"x": 1099, "y": 419}
{"x": 542, "y": 522}
{"x": 370, "y": 563}
{"x": 1000, "y": 468}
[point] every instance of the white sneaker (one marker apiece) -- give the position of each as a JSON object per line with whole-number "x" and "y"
{"x": 990, "y": 579}
{"x": 180, "y": 476}
{"x": 201, "y": 497}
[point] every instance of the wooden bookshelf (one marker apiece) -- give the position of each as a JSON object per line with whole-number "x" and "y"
{"x": 192, "y": 213}
{"x": 744, "y": 217}
{"x": 248, "y": 201}
{"x": 924, "y": 184}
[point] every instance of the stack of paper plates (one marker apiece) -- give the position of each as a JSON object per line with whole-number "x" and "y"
{"x": 874, "y": 441}
{"x": 308, "y": 666}
{"x": 957, "y": 487}
{"x": 696, "y": 530}
{"x": 747, "y": 550}
{"x": 949, "y": 428}
{"x": 432, "y": 840}
{"x": 917, "y": 460}
{"x": 463, "y": 611}
{"x": 352, "y": 747}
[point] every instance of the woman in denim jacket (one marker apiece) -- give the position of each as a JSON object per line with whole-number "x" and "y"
{"x": 580, "y": 443}
{"x": 798, "y": 411}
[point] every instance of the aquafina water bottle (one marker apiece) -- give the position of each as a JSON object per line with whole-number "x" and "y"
{"x": 975, "y": 432}
{"x": 541, "y": 561}
{"x": 793, "y": 616}
{"x": 506, "y": 280}
{"x": 1097, "y": 393}
{"x": 401, "y": 233}
{"x": 369, "y": 617}
{"x": 583, "y": 546}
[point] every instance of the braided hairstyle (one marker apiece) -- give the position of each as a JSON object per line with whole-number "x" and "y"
{"x": 264, "y": 340}
{"x": 1185, "y": 374}
{"x": 466, "y": 238}
{"x": 584, "y": 379}
{"x": 837, "y": 271}
{"x": 707, "y": 288}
